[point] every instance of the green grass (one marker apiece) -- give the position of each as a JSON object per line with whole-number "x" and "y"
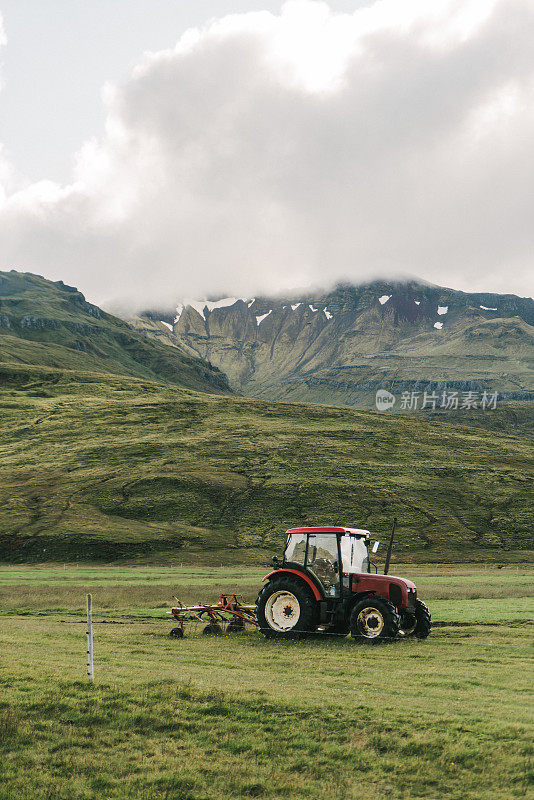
{"x": 96, "y": 467}
{"x": 237, "y": 716}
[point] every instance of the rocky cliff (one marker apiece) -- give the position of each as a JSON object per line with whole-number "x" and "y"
{"x": 339, "y": 347}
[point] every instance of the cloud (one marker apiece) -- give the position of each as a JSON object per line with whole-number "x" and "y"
{"x": 3, "y": 38}
{"x": 266, "y": 152}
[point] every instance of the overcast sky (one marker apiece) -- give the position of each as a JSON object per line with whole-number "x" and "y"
{"x": 159, "y": 149}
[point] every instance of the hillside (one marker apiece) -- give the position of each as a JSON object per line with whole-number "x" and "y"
{"x": 340, "y": 347}
{"x": 51, "y": 324}
{"x": 113, "y": 467}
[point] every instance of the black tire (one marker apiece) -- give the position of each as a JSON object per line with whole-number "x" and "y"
{"x": 212, "y": 629}
{"x": 408, "y": 625}
{"x": 374, "y": 620}
{"x": 176, "y": 633}
{"x": 300, "y": 615}
{"x": 423, "y": 620}
{"x": 235, "y": 626}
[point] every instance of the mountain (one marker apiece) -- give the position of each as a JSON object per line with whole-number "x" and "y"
{"x": 339, "y": 347}
{"x": 105, "y": 467}
{"x": 51, "y": 324}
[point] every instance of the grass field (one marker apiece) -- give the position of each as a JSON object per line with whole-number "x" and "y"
{"x": 236, "y": 716}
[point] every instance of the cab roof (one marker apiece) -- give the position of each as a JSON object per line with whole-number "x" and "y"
{"x": 356, "y": 531}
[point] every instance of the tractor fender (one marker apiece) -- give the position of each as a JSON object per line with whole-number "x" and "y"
{"x": 286, "y": 571}
{"x": 356, "y": 597}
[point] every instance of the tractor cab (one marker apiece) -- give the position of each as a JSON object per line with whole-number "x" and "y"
{"x": 330, "y": 554}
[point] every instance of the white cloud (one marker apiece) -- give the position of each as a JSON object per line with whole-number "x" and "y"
{"x": 3, "y": 38}
{"x": 269, "y": 152}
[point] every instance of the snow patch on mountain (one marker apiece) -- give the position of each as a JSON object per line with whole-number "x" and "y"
{"x": 202, "y": 305}
{"x": 296, "y": 306}
{"x": 179, "y": 310}
{"x": 443, "y": 309}
{"x": 167, "y": 324}
{"x": 224, "y": 302}
{"x": 261, "y": 317}
{"x": 384, "y": 298}
{"x": 487, "y": 308}
{"x": 327, "y": 314}
{"x": 312, "y": 308}
{"x": 438, "y": 325}
{"x": 198, "y": 305}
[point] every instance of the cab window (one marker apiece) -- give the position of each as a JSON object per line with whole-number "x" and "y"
{"x": 296, "y": 548}
{"x": 354, "y": 555}
{"x": 323, "y": 561}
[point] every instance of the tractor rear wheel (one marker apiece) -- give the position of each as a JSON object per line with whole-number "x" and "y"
{"x": 374, "y": 620}
{"x": 285, "y": 608}
{"x": 423, "y": 618}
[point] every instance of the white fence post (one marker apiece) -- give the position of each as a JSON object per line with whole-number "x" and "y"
{"x": 90, "y": 667}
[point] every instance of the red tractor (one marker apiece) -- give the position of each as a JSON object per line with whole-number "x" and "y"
{"x": 325, "y": 584}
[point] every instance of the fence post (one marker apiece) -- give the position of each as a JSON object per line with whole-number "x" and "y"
{"x": 90, "y": 667}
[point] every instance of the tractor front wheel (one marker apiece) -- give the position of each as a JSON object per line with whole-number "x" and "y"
{"x": 423, "y": 620}
{"x": 417, "y": 624}
{"x": 285, "y": 608}
{"x": 374, "y": 620}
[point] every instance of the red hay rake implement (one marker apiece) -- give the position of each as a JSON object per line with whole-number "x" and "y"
{"x": 229, "y": 613}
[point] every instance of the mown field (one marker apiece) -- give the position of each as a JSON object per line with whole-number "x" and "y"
{"x": 102, "y": 467}
{"x": 236, "y": 716}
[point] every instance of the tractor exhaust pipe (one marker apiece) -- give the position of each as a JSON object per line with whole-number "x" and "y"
{"x": 390, "y": 548}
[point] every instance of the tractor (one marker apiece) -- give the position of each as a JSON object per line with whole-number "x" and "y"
{"x": 324, "y": 584}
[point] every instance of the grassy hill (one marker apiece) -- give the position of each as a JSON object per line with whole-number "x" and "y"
{"x": 52, "y": 324}
{"x": 100, "y": 466}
